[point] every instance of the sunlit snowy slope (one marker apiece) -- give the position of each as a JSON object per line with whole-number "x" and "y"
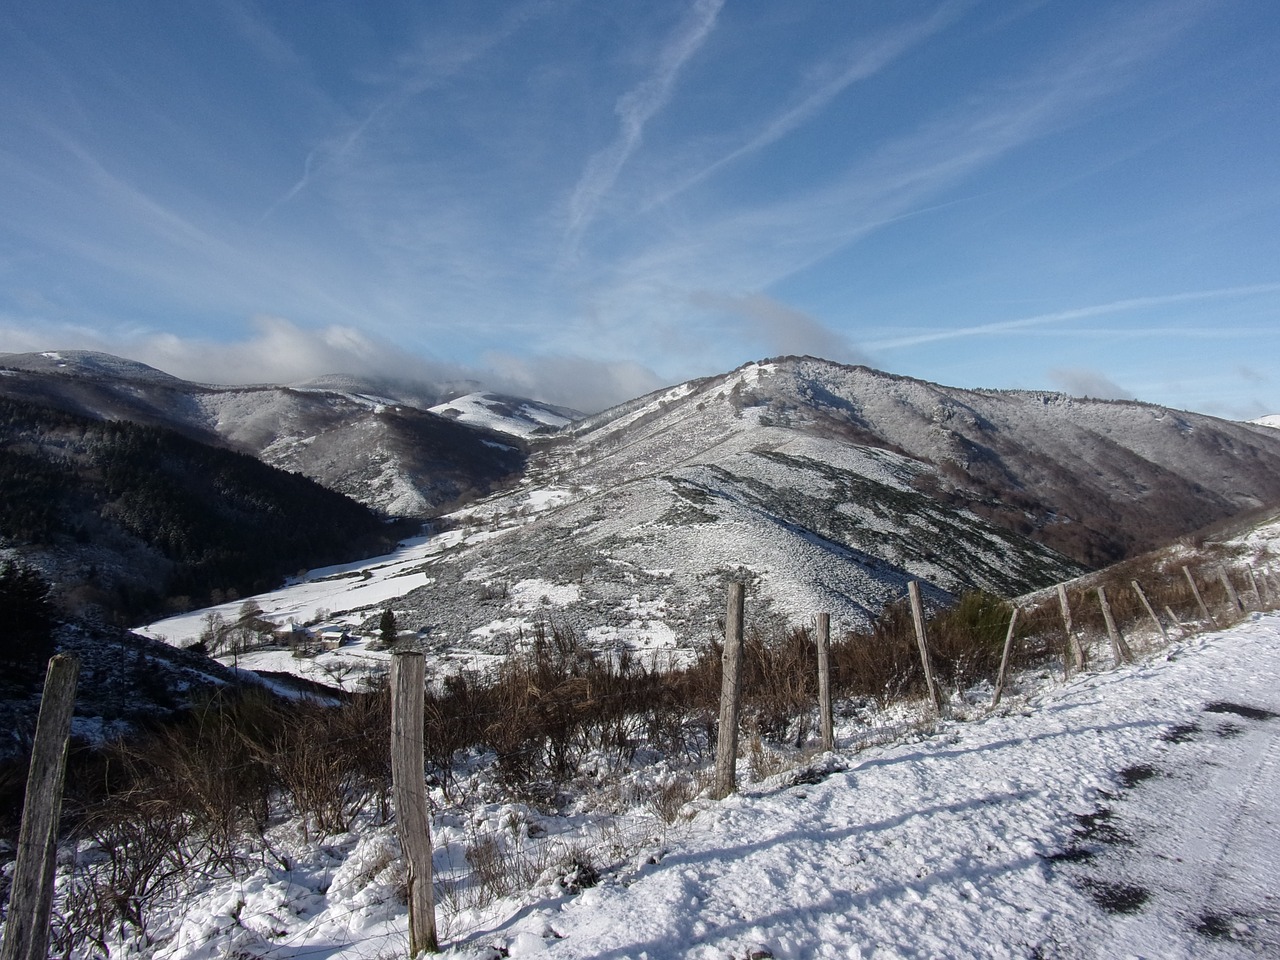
{"x": 822, "y": 487}
{"x": 1125, "y": 813}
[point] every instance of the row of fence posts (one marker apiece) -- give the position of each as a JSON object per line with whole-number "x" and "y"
{"x": 31, "y": 899}
{"x": 725, "y": 780}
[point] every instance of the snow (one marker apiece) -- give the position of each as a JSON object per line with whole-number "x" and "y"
{"x": 938, "y": 848}
{"x": 1273, "y": 420}
{"x": 519, "y": 418}
{"x": 1028, "y": 832}
{"x": 532, "y": 594}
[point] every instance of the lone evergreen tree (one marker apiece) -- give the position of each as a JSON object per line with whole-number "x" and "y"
{"x": 388, "y": 632}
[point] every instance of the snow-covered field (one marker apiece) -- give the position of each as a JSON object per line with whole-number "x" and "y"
{"x": 1125, "y": 813}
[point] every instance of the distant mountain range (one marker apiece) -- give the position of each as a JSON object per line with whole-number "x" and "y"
{"x": 374, "y": 441}
{"x": 825, "y": 486}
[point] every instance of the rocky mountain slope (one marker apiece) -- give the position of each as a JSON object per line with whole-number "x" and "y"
{"x": 1095, "y": 479}
{"x": 824, "y": 487}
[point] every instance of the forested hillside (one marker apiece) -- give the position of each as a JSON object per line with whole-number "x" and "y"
{"x": 135, "y": 519}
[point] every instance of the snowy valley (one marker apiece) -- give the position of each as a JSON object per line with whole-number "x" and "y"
{"x": 566, "y": 563}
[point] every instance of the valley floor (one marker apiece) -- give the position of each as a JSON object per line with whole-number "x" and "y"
{"x": 1125, "y": 813}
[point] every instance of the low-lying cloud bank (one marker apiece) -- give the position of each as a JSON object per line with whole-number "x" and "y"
{"x": 280, "y": 351}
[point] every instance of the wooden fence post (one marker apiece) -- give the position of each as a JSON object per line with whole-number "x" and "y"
{"x": 26, "y": 933}
{"x": 1204, "y": 611}
{"x": 730, "y": 689}
{"x": 408, "y": 785}
{"x": 1232, "y": 597}
{"x": 826, "y": 723}
{"x": 1004, "y": 659}
{"x": 1137, "y": 588}
{"x": 1073, "y": 642}
{"x": 1118, "y": 645}
{"x": 917, "y": 614}
{"x": 1257, "y": 587}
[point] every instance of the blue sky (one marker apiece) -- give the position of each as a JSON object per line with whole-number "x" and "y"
{"x": 585, "y": 200}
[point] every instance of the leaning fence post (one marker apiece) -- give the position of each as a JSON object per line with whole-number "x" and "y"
{"x": 826, "y": 724}
{"x": 1137, "y": 588}
{"x": 26, "y": 933}
{"x": 917, "y": 615}
{"x": 1118, "y": 645}
{"x": 1073, "y": 642}
{"x": 730, "y": 689}
{"x": 409, "y": 788}
{"x": 1232, "y": 597}
{"x": 1204, "y": 611}
{"x": 1004, "y": 658}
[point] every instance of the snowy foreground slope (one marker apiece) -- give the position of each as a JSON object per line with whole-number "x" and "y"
{"x": 1127, "y": 813}
{"x": 988, "y": 839}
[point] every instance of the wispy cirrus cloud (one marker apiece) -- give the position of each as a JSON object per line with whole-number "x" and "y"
{"x": 824, "y": 83}
{"x": 432, "y": 60}
{"x": 636, "y": 108}
{"x": 754, "y": 245}
{"x": 1078, "y": 313}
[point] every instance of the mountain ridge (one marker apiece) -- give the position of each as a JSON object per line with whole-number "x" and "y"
{"x": 825, "y": 486}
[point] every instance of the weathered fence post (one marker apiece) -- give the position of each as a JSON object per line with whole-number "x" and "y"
{"x": 408, "y": 785}
{"x": 1232, "y": 597}
{"x": 730, "y": 689}
{"x": 1073, "y": 642}
{"x": 917, "y": 614}
{"x": 26, "y": 933}
{"x": 826, "y": 723}
{"x": 1137, "y": 588}
{"x": 1195, "y": 591}
{"x": 1118, "y": 645}
{"x": 1257, "y": 587}
{"x": 1004, "y": 658}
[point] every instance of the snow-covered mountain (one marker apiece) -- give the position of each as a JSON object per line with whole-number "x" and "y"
{"x": 824, "y": 487}
{"x": 1096, "y": 479}
{"x": 1272, "y": 420}
{"x": 366, "y": 439}
{"x": 503, "y": 414}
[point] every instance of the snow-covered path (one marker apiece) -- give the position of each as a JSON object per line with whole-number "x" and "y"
{"x": 1115, "y": 816}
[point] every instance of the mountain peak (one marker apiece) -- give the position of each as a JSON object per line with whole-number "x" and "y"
{"x": 84, "y": 363}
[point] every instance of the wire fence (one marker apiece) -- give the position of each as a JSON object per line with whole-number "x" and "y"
{"x": 477, "y": 870}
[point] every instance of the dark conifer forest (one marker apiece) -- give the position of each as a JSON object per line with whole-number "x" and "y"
{"x": 139, "y": 519}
